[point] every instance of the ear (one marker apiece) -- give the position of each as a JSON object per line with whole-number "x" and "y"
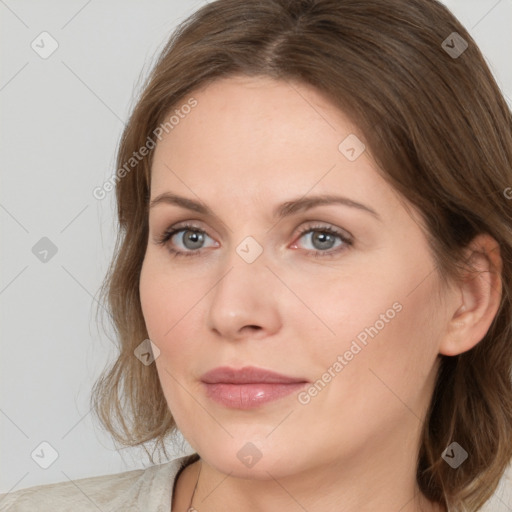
{"x": 478, "y": 297}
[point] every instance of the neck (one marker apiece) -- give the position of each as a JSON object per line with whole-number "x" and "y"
{"x": 210, "y": 490}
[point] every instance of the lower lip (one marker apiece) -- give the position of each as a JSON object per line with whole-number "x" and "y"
{"x": 249, "y": 396}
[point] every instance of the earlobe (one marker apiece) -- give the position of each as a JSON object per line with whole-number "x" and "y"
{"x": 478, "y": 299}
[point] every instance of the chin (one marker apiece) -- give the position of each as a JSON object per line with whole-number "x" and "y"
{"x": 251, "y": 460}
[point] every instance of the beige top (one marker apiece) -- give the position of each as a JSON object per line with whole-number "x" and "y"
{"x": 139, "y": 490}
{"x": 146, "y": 490}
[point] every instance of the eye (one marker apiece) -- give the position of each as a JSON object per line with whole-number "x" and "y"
{"x": 192, "y": 239}
{"x": 323, "y": 238}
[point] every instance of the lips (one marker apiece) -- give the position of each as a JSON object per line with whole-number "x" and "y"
{"x": 248, "y": 387}
{"x": 247, "y": 375}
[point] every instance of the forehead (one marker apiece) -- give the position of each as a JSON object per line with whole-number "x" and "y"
{"x": 262, "y": 138}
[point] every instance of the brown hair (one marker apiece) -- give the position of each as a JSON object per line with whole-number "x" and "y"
{"x": 440, "y": 130}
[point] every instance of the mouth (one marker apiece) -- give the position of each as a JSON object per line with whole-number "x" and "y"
{"x": 248, "y": 387}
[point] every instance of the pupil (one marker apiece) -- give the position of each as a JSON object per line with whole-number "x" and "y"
{"x": 322, "y": 238}
{"x": 195, "y": 238}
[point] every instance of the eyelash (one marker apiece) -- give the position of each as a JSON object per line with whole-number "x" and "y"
{"x": 167, "y": 235}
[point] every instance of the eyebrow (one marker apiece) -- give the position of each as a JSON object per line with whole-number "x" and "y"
{"x": 283, "y": 210}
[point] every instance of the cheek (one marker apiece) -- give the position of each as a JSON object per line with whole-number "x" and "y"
{"x": 167, "y": 307}
{"x": 167, "y": 300}
{"x": 388, "y": 341}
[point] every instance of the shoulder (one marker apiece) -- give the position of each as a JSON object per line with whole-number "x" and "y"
{"x": 80, "y": 494}
{"x": 502, "y": 496}
{"x": 138, "y": 490}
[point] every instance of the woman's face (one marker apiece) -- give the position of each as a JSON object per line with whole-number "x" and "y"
{"x": 353, "y": 311}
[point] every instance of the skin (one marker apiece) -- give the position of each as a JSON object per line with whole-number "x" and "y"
{"x": 249, "y": 145}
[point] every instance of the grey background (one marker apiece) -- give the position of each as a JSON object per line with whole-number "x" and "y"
{"x": 61, "y": 121}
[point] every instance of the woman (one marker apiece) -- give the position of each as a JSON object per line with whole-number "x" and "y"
{"x": 313, "y": 275}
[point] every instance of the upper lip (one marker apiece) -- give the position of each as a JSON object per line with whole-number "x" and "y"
{"x": 246, "y": 375}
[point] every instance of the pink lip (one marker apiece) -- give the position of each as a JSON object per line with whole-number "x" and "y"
{"x": 247, "y": 375}
{"x": 248, "y": 387}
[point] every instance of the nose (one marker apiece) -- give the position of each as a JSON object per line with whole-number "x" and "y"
{"x": 244, "y": 302}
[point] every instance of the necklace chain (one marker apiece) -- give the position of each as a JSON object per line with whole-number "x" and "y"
{"x": 190, "y": 507}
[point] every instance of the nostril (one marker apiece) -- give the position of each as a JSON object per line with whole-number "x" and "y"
{"x": 255, "y": 327}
